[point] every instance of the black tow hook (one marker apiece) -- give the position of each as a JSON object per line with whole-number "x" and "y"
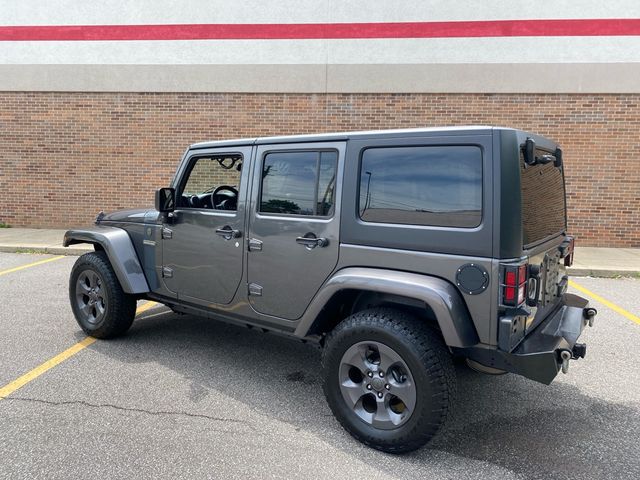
{"x": 589, "y": 315}
{"x": 579, "y": 350}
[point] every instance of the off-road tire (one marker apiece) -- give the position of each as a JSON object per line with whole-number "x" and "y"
{"x": 119, "y": 307}
{"x": 423, "y": 351}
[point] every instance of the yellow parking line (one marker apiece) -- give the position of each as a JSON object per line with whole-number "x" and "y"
{"x": 20, "y": 382}
{"x": 606, "y": 303}
{"x": 145, "y": 306}
{"x": 28, "y": 265}
{"x": 48, "y": 365}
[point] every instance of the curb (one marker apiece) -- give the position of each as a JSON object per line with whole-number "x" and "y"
{"x": 53, "y": 250}
{"x": 602, "y": 273}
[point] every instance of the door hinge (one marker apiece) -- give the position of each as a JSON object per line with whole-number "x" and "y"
{"x": 167, "y": 272}
{"x": 255, "y": 245}
{"x": 167, "y": 232}
{"x": 255, "y": 290}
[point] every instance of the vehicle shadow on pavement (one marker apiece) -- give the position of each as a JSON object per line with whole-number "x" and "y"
{"x": 532, "y": 430}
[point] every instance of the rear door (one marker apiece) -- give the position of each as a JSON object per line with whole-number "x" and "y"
{"x": 294, "y": 225}
{"x": 544, "y": 225}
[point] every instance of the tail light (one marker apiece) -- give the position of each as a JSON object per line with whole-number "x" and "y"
{"x": 568, "y": 258}
{"x": 514, "y": 286}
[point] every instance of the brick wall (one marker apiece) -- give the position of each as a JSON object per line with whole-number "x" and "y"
{"x": 65, "y": 156}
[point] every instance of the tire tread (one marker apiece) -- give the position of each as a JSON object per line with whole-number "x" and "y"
{"x": 432, "y": 354}
{"x": 121, "y": 306}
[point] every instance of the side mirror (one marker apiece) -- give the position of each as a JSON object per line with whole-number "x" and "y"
{"x": 166, "y": 200}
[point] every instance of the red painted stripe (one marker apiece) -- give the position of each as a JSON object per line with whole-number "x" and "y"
{"x": 492, "y": 28}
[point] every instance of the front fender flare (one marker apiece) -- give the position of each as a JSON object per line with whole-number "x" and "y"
{"x": 443, "y": 298}
{"x": 118, "y": 247}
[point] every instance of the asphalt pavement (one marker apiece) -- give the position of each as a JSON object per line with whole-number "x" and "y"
{"x": 184, "y": 397}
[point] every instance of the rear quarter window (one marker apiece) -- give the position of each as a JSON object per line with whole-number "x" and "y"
{"x": 422, "y": 185}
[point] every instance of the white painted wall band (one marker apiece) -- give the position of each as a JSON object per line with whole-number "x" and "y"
{"x": 605, "y": 64}
{"x": 105, "y": 12}
{"x": 348, "y": 51}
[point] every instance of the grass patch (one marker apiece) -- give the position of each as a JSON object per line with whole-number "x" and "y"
{"x": 4, "y": 225}
{"x": 29, "y": 250}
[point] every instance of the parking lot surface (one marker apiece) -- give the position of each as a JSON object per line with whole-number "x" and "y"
{"x": 184, "y": 397}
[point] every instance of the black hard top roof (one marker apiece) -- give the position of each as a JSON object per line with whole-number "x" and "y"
{"x": 341, "y": 136}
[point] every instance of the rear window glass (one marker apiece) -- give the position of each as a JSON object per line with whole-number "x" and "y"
{"x": 435, "y": 186}
{"x": 543, "y": 201}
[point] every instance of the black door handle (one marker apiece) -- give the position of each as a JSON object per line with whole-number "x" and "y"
{"x": 312, "y": 242}
{"x": 228, "y": 233}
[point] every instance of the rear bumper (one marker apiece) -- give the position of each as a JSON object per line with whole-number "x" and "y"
{"x": 542, "y": 353}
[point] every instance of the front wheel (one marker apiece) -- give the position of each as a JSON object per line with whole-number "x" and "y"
{"x": 101, "y": 307}
{"x": 388, "y": 379}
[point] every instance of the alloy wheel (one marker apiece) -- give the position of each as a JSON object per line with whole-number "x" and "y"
{"x": 91, "y": 297}
{"x": 377, "y": 384}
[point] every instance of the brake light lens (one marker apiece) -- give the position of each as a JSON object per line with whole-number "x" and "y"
{"x": 515, "y": 284}
{"x": 509, "y": 295}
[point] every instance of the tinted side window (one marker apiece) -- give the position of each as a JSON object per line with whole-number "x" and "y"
{"x": 436, "y": 186}
{"x": 299, "y": 183}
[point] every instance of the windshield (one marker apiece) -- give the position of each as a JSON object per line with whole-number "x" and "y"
{"x": 543, "y": 201}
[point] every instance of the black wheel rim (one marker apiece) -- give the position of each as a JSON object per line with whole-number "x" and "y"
{"x": 377, "y": 385}
{"x": 90, "y": 297}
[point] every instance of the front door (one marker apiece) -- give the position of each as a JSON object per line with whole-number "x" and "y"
{"x": 293, "y": 235}
{"x": 202, "y": 246}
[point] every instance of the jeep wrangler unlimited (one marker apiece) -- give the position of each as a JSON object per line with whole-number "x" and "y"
{"x": 396, "y": 251}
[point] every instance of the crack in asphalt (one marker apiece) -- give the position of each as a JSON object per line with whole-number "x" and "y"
{"x": 131, "y": 409}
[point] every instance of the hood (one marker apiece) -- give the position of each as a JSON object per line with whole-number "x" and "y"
{"x": 136, "y": 215}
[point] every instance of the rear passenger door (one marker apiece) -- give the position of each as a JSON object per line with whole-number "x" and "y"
{"x": 294, "y": 225}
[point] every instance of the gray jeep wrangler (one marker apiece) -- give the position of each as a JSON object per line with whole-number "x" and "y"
{"x": 396, "y": 251}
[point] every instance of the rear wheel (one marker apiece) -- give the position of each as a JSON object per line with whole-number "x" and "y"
{"x": 101, "y": 307}
{"x": 388, "y": 379}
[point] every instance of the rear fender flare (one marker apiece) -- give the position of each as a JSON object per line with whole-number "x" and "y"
{"x": 443, "y": 298}
{"x": 119, "y": 249}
